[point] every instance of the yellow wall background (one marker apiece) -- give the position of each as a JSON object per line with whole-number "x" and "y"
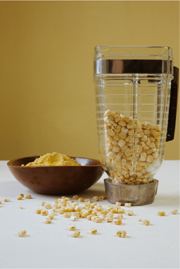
{"x": 47, "y": 98}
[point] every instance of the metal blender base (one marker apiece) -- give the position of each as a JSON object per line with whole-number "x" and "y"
{"x": 135, "y": 194}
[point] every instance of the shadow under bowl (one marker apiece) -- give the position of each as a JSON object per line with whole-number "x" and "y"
{"x": 56, "y": 180}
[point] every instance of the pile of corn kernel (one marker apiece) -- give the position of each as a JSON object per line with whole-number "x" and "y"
{"x": 132, "y": 148}
{"x": 91, "y": 210}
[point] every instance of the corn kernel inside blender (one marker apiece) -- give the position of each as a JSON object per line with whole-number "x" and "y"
{"x": 132, "y": 148}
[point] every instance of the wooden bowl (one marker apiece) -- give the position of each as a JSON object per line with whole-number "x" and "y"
{"x": 56, "y": 180}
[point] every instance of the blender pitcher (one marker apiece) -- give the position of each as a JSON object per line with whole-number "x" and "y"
{"x": 133, "y": 91}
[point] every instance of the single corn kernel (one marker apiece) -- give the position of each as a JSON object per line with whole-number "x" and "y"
{"x": 109, "y": 219}
{"x": 99, "y": 208}
{"x": 95, "y": 198}
{"x": 0, "y": 201}
{"x": 21, "y": 207}
{"x": 44, "y": 212}
{"x": 75, "y": 204}
{"x": 84, "y": 213}
{"x": 75, "y": 197}
{"x": 98, "y": 220}
{"x": 93, "y": 218}
{"x": 102, "y": 197}
{"x": 67, "y": 214}
{"x": 109, "y": 207}
{"x": 21, "y": 194}
{"x": 109, "y": 214}
{"x": 55, "y": 210}
{"x": 94, "y": 213}
{"x": 121, "y": 211}
{"x": 21, "y": 233}
{"x": 56, "y": 201}
{"x": 54, "y": 214}
{"x": 78, "y": 208}
{"x": 90, "y": 210}
{"x": 128, "y": 204}
{"x": 48, "y": 206}
{"x": 174, "y": 211}
{"x": 66, "y": 199}
{"x": 120, "y": 216}
{"x": 140, "y": 220}
{"x": 55, "y": 206}
{"x": 114, "y": 210}
{"x": 121, "y": 234}
{"x": 89, "y": 217}
{"x": 75, "y": 234}
{"x": 73, "y": 218}
{"x": 118, "y": 203}
{"x": 129, "y": 213}
{"x": 47, "y": 221}
{"x": 99, "y": 213}
{"x": 38, "y": 211}
{"x": 76, "y": 214}
{"x": 146, "y": 222}
{"x": 6, "y": 200}
{"x": 161, "y": 213}
{"x": 51, "y": 216}
{"x": 102, "y": 216}
{"x": 28, "y": 196}
{"x": 69, "y": 208}
{"x": 19, "y": 198}
{"x": 71, "y": 227}
{"x": 80, "y": 199}
{"x": 93, "y": 231}
{"x": 61, "y": 210}
{"x": 43, "y": 203}
{"x": 118, "y": 221}
{"x": 88, "y": 207}
{"x": 63, "y": 203}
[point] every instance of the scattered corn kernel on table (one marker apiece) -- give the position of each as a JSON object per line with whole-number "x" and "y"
{"x": 51, "y": 246}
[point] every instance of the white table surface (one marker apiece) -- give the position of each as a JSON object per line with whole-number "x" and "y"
{"x": 50, "y": 246}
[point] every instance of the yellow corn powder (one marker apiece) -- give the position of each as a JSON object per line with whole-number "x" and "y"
{"x": 53, "y": 159}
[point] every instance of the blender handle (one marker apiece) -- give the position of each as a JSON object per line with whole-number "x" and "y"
{"x": 173, "y": 105}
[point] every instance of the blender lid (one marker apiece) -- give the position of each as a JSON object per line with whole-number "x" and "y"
{"x": 133, "y": 60}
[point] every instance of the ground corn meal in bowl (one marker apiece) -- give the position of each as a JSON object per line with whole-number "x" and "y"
{"x": 53, "y": 159}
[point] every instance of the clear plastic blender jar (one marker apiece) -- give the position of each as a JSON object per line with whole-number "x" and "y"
{"x": 133, "y": 87}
